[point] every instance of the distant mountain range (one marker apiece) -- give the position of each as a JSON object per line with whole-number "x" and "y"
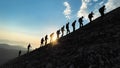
{"x": 15, "y": 47}
{"x": 8, "y": 52}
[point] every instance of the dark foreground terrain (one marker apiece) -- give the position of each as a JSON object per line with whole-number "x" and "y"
{"x": 96, "y": 45}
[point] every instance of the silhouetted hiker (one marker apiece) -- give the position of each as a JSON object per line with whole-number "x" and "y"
{"x": 28, "y": 48}
{"x": 90, "y": 16}
{"x": 51, "y": 37}
{"x": 101, "y": 10}
{"x": 46, "y": 38}
{"x": 67, "y": 28}
{"x": 81, "y": 21}
{"x": 42, "y": 41}
{"x": 19, "y": 53}
{"x": 58, "y": 33}
{"x": 62, "y": 30}
{"x": 73, "y": 25}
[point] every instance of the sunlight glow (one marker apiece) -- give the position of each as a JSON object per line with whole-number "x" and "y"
{"x": 54, "y": 41}
{"x": 19, "y": 38}
{"x": 54, "y": 38}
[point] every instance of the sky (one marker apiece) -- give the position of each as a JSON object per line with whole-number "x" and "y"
{"x": 27, "y": 21}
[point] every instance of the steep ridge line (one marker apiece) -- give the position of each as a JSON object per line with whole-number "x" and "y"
{"x": 96, "y": 45}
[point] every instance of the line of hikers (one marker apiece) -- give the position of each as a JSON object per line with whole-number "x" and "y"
{"x": 80, "y": 20}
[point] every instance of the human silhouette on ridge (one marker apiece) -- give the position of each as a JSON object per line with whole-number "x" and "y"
{"x": 67, "y": 28}
{"x": 102, "y": 10}
{"x": 42, "y": 41}
{"x": 90, "y": 16}
{"x": 58, "y": 33}
{"x": 28, "y": 48}
{"x": 19, "y": 54}
{"x": 46, "y": 38}
{"x": 80, "y": 22}
{"x": 73, "y": 25}
{"x": 62, "y": 30}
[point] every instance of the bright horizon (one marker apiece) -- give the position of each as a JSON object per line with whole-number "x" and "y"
{"x": 27, "y": 21}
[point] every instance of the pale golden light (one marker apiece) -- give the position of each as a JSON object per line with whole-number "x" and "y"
{"x": 19, "y": 38}
{"x": 23, "y": 39}
{"x": 54, "y": 40}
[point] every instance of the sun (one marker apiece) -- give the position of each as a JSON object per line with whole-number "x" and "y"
{"x": 54, "y": 40}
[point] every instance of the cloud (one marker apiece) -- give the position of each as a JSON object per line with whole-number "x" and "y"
{"x": 67, "y": 11}
{"x": 84, "y": 9}
{"x": 95, "y": 0}
{"x": 101, "y": 3}
{"x": 112, "y": 4}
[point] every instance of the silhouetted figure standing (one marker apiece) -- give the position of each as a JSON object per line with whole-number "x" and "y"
{"x": 81, "y": 21}
{"x": 58, "y": 33}
{"x": 62, "y": 30}
{"x": 90, "y": 16}
{"x": 28, "y": 48}
{"x": 42, "y": 41}
{"x": 73, "y": 25}
{"x": 19, "y": 53}
{"x": 67, "y": 28}
{"x": 102, "y": 10}
{"x": 51, "y": 37}
{"x": 46, "y": 38}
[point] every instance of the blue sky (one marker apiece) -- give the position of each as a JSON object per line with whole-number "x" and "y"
{"x": 26, "y": 21}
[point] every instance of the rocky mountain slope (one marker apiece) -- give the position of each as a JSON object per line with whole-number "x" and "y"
{"x": 96, "y": 45}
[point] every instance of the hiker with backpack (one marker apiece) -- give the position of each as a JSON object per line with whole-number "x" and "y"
{"x": 90, "y": 16}
{"x": 80, "y": 22}
{"x": 73, "y": 25}
{"x": 102, "y": 10}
